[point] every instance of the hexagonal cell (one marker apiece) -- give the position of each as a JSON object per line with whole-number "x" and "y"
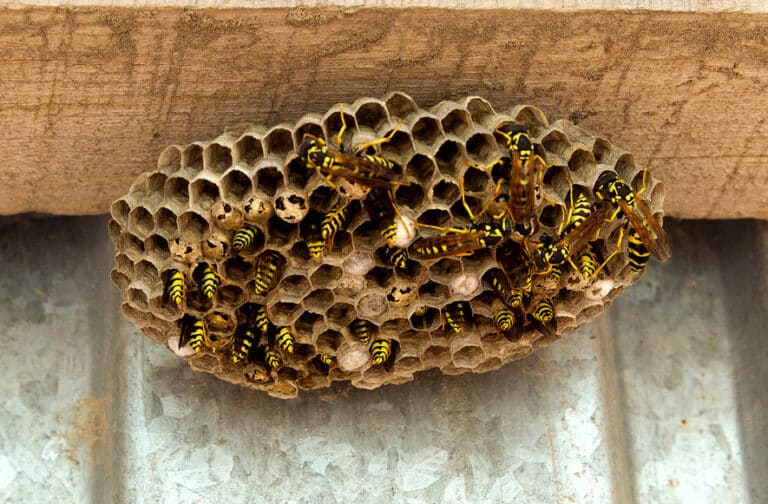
{"x": 433, "y": 293}
{"x": 445, "y": 269}
{"x": 372, "y": 115}
{"x": 281, "y": 233}
{"x": 230, "y": 295}
{"x": 657, "y": 198}
{"x": 482, "y": 149}
{"x": 177, "y": 191}
{"x": 132, "y": 246}
{"x": 602, "y": 150}
{"x": 140, "y": 220}
{"x": 157, "y": 247}
{"x": 381, "y": 277}
{"x": 115, "y": 230}
{"x": 469, "y": 357}
{"x": 333, "y": 124}
{"x": 192, "y": 227}
{"x": 435, "y": 356}
{"x": 278, "y": 142}
{"x": 296, "y": 285}
{"x": 434, "y": 217}
{"x": 480, "y": 110}
{"x": 309, "y": 322}
{"x": 217, "y": 158}
{"x": 124, "y": 264}
{"x": 120, "y": 210}
{"x": 323, "y": 198}
{"x": 421, "y": 168}
{"x": 204, "y": 193}
{"x": 426, "y": 130}
{"x": 532, "y": 117}
{"x": 445, "y": 193}
{"x": 329, "y": 340}
{"x": 395, "y": 328}
{"x": 319, "y": 299}
{"x": 371, "y": 305}
{"x": 411, "y": 196}
{"x": 457, "y": 122}
{"x": 120, "y": 280}
{"x": 400, "y": 145}
{"x": 284, "y": 313}
{"x": 428, "y": 320}
{"x": 308, "y": 128}
{"x": 401, "y": 105}
{"x": 192, "y": 158}
{"x": 326, "y": 276}
{"x": 582, "y": 163}
{"x": 451, "y": 159}
{"x": 248, "y": 150}
{"x": 291, "y": 206}
{"x": 625, "y": 166}
{"x": 340, "y": 314}
{"x": 170, "y": 160}
{"x": 268, "y": 180}
{"x": 556, "y": 142}
{"x": 297, "y": 174}
{"x": 551, "y": 216}
{"x": 137, "y": 298}
{"x": 477, "y": 181}
{"x": 236, "y": 186}
{"x": 366, "y": 237}
{"x": 147, "y": 274}
{"x": 237, "y": 269}
{"x": 165, "y": 222}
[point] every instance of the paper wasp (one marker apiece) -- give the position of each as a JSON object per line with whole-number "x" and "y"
{"x": 457, "y": 242}
{"x": 176, "y": 289}
{"x": 609, "y": 187}
{"x": 245, "y": 338}
{"x": 457, "y": 315}
{"x": 193, "y": 331}
{"x": 543, "y": 318}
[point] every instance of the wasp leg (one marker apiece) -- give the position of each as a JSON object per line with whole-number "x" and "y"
{"x": 642, "y": 189}
{"x": 340, "y": 134}
{"x": 487, "y": 204}
{"x": 540, "y": 178}
{"x": 570, "y": 203}
{"x": 386, "y": 139}
{"x": 610, "y": 256}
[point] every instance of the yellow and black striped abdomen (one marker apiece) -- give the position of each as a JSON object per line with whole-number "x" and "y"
{"x": 545, "y": 311}
{"x": 285, "y": 339}
{"x": 637, "y": 253}
{"x": 273, "y": 359}
{"x": 328, "y": 360}
{"x": 177, "y": 288}
{"x": 587, "y": 262}
{"x": 381, "y": 350}
{"x": 261, "y": 319}
{"x": 242, "y": 347}
{"x": 456, "y": 315}
{"x": 504, "y": 319}
{"x": 209, "y": 281}
{"x": 332, "y": 223}
{"x": 397, "y": 257}
{"x": 362, "y": 329}
{"x": 243, "y": 238}
{"x": 266, "y": 271}
{"x": 197, "y": 336}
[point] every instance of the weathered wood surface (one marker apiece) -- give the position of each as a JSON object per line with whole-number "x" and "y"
{"x": 89, "y": 97}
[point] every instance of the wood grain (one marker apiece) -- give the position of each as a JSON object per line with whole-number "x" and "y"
{"x": 89, "y": 97}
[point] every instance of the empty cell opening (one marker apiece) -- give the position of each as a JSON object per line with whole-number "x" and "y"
{"x": 204, "y": 193}
{"x": 433, "y": 293}
{"x": 476, "y": 180}
{"x": 157, "y": 246}
{"x": 165, "y": 222}
{"x": 155, "y": 183}
{"x": 284, "y": 311}
{"x": 556, "y": 142}
{"x": 124, "y": 264}
{"x": 323, "y": 198}
{"x": 281, "y": 232}
{"x": 551, "y": 216}
{"x": 469, "y": 357}
{"x": 421, "y": 168}
{"x": 445, "y": 269}
{"x": 625, "y": 166}
{"x": 426, "y": 130}
{"x": 177, "y": 191}
{"x": 238, "y": 269}
{"x": 488, "y": 365}
{"x": 445, "y": 193}
{"x": 192, "y": 157}
{"x": 533, "y": 118}
{"x": 488, "y": 298}
{"x": 248, "y": 150}
{"x": 295, "y": 285}
{"x": 230, "y": 295}
{"x": 132, "y": 246}
{"x": 236, "y": 186}
{"x": 400, "y": 105}
{"x": 557, "y": 179}
{"x": 300, "y": 251}
{"x": 435, "y": 355}
{"x": 399, "y": 145}
{"x": 147, "y": 273}
{"x": 457, "y": 122}
{"x": 366, "y": 236}
{"x": 601, "y": 149}
{"x": 141, "y": 220}
{"x": 342, "y": 244}
{"x": 478, "y": 259}
{"x": 119, "y": 279}
{"x": 278, "y": 142}
{"x": 297, "y": 174}
{"x": 138, "y": 299}
{"x": 372, "y": 115}
{"x": 329, "y": 339}
{"x": 428, "y": 320}
{"x": 115, "y": 230}
{"x": 333, "y": 126}
{"x": 482, "y": 149}
{"x": 120, "y": 210}
{"x": 379, "y": 276}
{"x": 192, "y": 227}
{"x": 411, "y": 196}
{"x": 480, "y": 110}
{"x": 657, "y": 196}
{"x": 326, "y": 276}
{"x": 340, "y": 314}
{"x": 287, "y": 374}
{"x": 460, "y": 215}
{"x": 305, "y": 324}
{"x": 582, "y": 162}
{"x": 435, "y": 217}
{"x": 268, "y": 179}
{"x": 170, "y": 159}
{"x": 308, "y": 128}
{"x": 394, "y": 327}
{"x": 451, "y": 159}
{"x": 409, "y": 363}
{"x": 218, "y": 158}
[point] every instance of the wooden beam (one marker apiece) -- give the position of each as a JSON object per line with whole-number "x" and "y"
{"x": 89, "y": 97}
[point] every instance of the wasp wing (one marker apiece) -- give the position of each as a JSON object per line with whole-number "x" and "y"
{"x": 647, "y": 226}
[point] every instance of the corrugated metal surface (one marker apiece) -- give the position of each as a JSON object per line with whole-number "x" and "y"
{"x": 660, "y": 400}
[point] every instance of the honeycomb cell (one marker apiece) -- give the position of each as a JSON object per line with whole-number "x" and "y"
{"x": 480, "y": 110}
{"x": 132, "y": 246}
{"x": 329, "y": 340}
{"x": 284, "y": 313}
{"x": 115, "y": 230}
{"x": 230, "y": 295}
{"x": 625, "y": 166}
{"x": 435, "y": 356}
{"x": 429, "y": 320}
{"x": 236, "y": 186}
{"x": 137, "y": 298}
{"x": 309, "y": 128}
{"x": 165, "y": 222}
{"x": 217, "y": 158}
{"x": 469, "y": 357}
{"x": 445, "y": 193}
{"x": 433, "y": 293}
{"x": 371, "y": 305}
{"x": 381, "y": 277}
{"x": 204, "y": 194}
{"x": 319, "y": 300}
{"x": 192, "y": 158}
{"x": 444, "y": 270}
{"x": 340, "y": 314}
{"x": 401, "y": 105}
{"x": 482, "y": 149}
{"x": 291, "y": 206}
{"x": 421, "y": 168}
{"x": 157, "y": 247}
{"x": 170, "y": 160}
{"x": 268, "y": 180}
{"x": 121, "y": 280}
{"x": 399, "y": 148}
{"x": 281, "y": 233}
{"x": 457, "y": 122}
{"x": 372, "y": 115}
{"x": 120, "y": 210}
{"x": 551, "y": 216}
{"x": 410, "y": 196}
{"x": 426, "y": 131}
{"x": 582, "y": 163}
{"x": 556, "y": 142}
{"x": 438, "y": 218}
{"x": 140, "y": 219}
{"x": 602, "y": 150}
{"x": 326, "y": 277}
{"x": 177, "y": 192}
{"x": 477, "y": 181}
{"x": 192, "y": 227}
{"x": 237, "y": 269}
{"x": 532, "y": 117}
{"x": 278, "y": 142}
{"x": 216, "y": 247}
{"x": 451, "y": 159}
{"x": 248, "y": 150}
{"x": 309, "y": 323}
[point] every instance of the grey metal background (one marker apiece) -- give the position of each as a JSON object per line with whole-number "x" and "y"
{"x": 661, "y": 399}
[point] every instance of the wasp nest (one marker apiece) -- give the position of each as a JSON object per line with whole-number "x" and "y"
{"x": 218, "y": 255}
